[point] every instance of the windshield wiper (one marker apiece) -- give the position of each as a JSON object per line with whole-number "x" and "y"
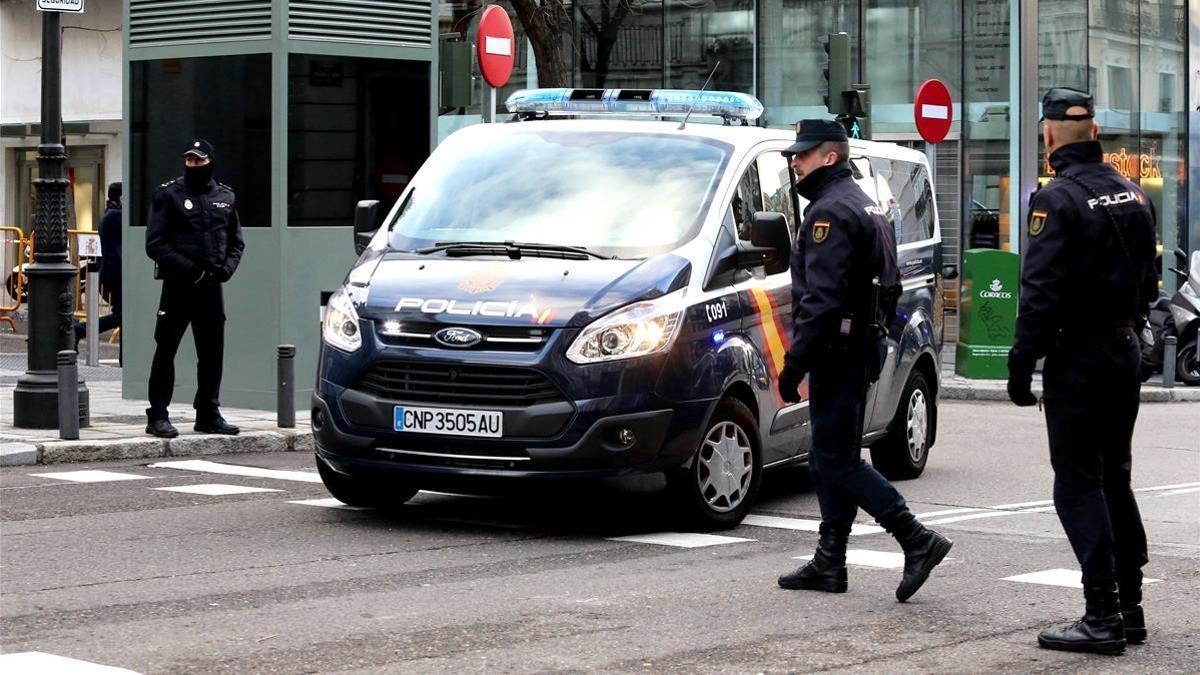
{"x": 512, "y": 249}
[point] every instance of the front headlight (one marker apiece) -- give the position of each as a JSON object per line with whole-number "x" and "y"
{"x": 341, "y": 323}
{"x": 640, "y": 329}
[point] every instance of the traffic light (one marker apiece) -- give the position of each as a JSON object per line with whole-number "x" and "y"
{"x": 835, "y": 71}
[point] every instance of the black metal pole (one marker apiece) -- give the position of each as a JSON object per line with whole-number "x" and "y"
{"x": 35, "y": 398}
{"x": 285, "y": 387}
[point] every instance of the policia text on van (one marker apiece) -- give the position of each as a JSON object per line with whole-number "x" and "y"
{"x": 585, "y": 298}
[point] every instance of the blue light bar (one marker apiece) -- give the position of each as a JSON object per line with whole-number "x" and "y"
{"x": 674, "y": 102}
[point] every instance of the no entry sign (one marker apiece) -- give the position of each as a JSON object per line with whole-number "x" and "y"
{"x": 495, "y": 46}
{"x": 933, "y": 111}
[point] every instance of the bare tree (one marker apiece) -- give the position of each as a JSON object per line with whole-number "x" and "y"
{"x": 605, "y": 32}
{"x": 546, "y": 24}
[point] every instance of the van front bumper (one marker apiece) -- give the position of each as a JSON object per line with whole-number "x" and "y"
{"x": 589, "y": 446}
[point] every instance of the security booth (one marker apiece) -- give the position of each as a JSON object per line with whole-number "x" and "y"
{"x": 310, "y": 105}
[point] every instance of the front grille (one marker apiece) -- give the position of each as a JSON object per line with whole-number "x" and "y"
{"x": 495, "y": 338}
{"x": 457, "y": 384}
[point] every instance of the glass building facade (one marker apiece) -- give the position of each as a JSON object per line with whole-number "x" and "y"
{"x": 1131, "y": 54}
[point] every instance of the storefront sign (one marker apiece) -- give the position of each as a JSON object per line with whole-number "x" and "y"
{"x": 1133, "y": 167}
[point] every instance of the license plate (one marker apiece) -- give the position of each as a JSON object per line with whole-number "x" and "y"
{"x": 449, "y": 421}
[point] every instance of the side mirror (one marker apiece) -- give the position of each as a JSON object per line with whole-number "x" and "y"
{"x": 769, "y": 235}
{"x": 366, "y": 222}
{"x": 950, "y": 272}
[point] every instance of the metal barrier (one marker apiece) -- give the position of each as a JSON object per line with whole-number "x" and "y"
{"x": 15, "y": 252}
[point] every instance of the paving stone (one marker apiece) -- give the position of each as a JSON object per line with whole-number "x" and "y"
{"x": 16, "y": 453}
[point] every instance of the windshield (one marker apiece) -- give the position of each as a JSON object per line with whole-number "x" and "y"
{"x": 626, "y": 195}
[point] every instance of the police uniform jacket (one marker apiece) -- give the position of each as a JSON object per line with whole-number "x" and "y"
{"x": 1078, "y": 271}
{"x": 193, "y": 232}
{"x": 842, "y": 244}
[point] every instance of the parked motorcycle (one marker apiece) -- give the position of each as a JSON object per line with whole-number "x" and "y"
{"x": 1185, "y": 312}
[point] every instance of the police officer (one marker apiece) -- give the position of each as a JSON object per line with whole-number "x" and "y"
{"x": 839, "y": 324}
{"x": 1088, "y": 276}
{"x": 195, "y": 240}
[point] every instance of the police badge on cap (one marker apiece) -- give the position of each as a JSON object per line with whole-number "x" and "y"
{"x": 199, "y": 147}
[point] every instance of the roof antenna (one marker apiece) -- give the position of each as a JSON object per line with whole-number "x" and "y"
{"x": 693, "y": 106}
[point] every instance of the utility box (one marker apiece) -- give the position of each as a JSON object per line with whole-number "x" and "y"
{"x": 454, "y": 71}
{"x": 987, "y": 313}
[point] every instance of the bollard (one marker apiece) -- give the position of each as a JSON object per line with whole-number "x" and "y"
{"x": 93, "y": 314}
{"x": 1170, "y": 353}
{"x": 68, "y": 395}
{"x": 285, "y": 386}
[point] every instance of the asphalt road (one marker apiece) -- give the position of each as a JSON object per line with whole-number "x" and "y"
{"x": 128, "y": 575}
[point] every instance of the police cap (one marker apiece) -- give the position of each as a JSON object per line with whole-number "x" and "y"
{"x": 199, "y": 147}
{"x": 1059, "y": 100}
{"x": 811, "y": 133}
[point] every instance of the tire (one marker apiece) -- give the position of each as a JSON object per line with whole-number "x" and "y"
{"x": 902, "y": 454}
{"x": 358, "y": 492}
{"x": 1187, "y": 364}
{"x": 730, "y": 446}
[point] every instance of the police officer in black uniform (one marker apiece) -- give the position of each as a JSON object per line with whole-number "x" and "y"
{"x": 195, "y": 239}
{"x": 839, "y": 325}
{"x": 1088, "y": 277}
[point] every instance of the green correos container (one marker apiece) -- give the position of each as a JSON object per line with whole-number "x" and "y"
{"x": 988, "y": 313}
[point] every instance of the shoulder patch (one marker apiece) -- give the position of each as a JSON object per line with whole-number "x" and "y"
{"x": 820, "y": 231}
{"x": 1037, "y": 223}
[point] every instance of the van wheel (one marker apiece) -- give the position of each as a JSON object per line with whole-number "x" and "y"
{"x": 715, "y": 492}
{"x": 358, "y": 492}
{"x": 903, "y": 452}
{"x": 1187, "y": 364}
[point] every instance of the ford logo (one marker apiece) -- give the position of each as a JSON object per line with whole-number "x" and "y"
{"x": 458, "y": 337}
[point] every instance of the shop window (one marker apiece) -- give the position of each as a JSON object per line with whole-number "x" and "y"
{"x": 225, "y": 100}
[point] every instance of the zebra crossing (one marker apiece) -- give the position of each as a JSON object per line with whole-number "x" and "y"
{"x": 865, "y": 558}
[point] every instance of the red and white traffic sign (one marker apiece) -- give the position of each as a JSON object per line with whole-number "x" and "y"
{"x": 495, "y": 46}
{"x": 933, "y": 110}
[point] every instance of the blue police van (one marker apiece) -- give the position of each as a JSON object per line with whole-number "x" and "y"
{"x": 578, "y": 294}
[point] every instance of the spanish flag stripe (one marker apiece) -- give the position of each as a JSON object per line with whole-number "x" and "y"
{"x": 770, "y": 327}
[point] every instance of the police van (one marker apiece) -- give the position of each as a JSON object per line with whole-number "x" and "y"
{"x": 578, "y": 294}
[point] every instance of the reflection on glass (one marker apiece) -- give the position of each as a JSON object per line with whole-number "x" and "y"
{"x": 614, "y": 193}
{"x": 789, "y": 71}
{"x": 987, "y": 107}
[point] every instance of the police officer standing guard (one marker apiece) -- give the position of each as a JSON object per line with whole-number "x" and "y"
{"x": 1088, "y": 278}
{"x": 195, "y": 240}
{"x": 845, "y": 284}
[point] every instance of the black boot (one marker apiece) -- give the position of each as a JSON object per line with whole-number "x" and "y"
{"x": 923, "y": 550}
{"x": 827, "y": 569}
{"x": 1100, "y": 631}
{"x": 1131, "y": 609}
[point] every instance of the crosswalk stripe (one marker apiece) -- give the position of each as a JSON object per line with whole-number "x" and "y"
{"x": 206, "y": 466}
{"x": 803, "y": 524}
{"x": 215, "y": 489}
{"x": 681, "y": 539}
{"x": 887, "y": 560}
{"x": 1058, "y": 577}
{"x": 18, "y": 663}
{"x": 330, "y": 503}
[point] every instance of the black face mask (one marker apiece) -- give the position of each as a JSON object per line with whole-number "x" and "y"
{"x": 196, "y": 177}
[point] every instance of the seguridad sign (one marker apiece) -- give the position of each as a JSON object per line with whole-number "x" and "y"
{"x": 75, "y": 6}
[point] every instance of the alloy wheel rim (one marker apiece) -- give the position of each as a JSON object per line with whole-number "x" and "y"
{"x": 725, "y": 465}
{"x": 918, "y": 426}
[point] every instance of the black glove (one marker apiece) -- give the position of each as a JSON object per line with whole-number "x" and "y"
{"x": 219, "y": 273}
{"x": 1020, "y": 379}
{"x": 789, "y": 384}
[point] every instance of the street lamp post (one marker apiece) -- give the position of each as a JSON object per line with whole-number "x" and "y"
{"x": 35, "y": 399}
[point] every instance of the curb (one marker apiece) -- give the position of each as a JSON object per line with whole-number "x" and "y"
{"x": 973, "y": 392}
{"x": 95, "y": 450}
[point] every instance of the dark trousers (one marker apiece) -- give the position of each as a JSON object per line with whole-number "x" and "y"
{"x": 1091, "y": 397}
{"x": 108, "y": 321}
{"x": 844, "y": 482}
{"x": 202, "y": 307}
